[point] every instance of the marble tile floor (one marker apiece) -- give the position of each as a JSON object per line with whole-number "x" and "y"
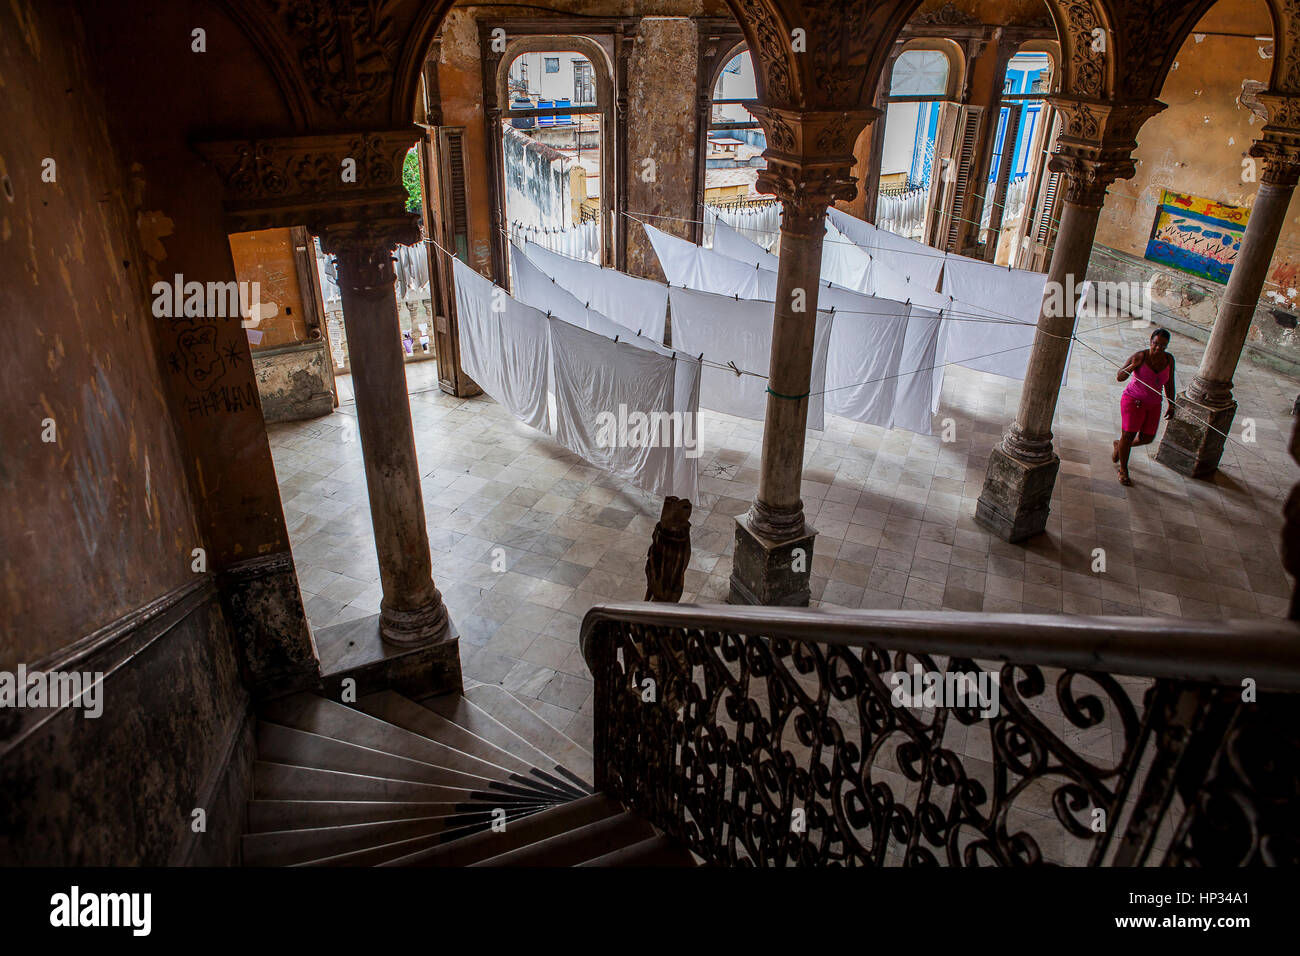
{"x": 526, "y": 537}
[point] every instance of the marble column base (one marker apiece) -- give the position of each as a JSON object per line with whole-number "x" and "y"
{"x": 403, "y": 628}
{"x": 763, "y": 571}
{"x": 1014, "y": 504}
{"x": 1192, "y": 444}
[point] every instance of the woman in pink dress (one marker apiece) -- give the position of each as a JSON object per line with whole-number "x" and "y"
{"x": 1139, "y": 407}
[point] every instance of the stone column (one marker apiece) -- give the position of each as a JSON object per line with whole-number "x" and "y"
{"x": 1193, "y": 441}
{"x": 412, "y": 612}
{"x": 809, "y": 166}
{"x": 1096, "y": 149}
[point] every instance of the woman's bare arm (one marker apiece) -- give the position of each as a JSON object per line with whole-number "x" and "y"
{"x": 1133, "y": 362}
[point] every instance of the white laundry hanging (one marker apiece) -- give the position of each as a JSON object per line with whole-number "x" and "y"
{"x": 729, "y": 330}
{"x": 638, "y": 305}
{"x": 866, "y": 347}
{"x": 503, "y": 346}
{"x": 907, "y": 260}
{"x": 693, "y": 267}
{"x": 730, "y": 243}
{"x": 865, "y": 350}
{"x": 616, "y": 407}
{"x": 844, "y": 263}
{"x": 537, "y": 289}
{"x": 1009, "y": 301}
{"x": 920, "y": 379}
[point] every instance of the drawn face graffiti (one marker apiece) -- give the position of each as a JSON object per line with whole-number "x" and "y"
{"x": 203, "y": 364}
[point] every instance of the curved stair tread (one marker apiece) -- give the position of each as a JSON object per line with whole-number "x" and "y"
{"x": 533, "y": 727}
{"x": 578, "y": 844}
{"x": 301, "y": 748}
{"x": 469, "y": 715}
{"x": 385, "y": 854}
{"x": 268, "y": 815}
{"x": 395, "y": 709}
{"x": 328, "y": 718}
{"x": 291, "y": 847}
{"x": 539, "y": 826}
{"x": 277, "y": 781}
{"x": 658, "y": 850}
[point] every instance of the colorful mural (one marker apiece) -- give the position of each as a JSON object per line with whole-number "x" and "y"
{"x": 1197, "y": 235}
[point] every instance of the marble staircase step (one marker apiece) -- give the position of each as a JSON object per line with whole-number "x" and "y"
{"x": 277, "y": 781}
{"x": 517, "y": 716}
{"x": 535, "y": 828}
{"x": 424, "y": 720}
{"x": 577, "y": 845}
{"x": 318, "y": 715}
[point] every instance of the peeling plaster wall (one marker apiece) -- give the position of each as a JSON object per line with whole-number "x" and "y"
{"x": 661, "y": 132}
{"x": 97, "y": 528}
{"x": 1197, "y": 146}
{"x": 100, "y": 521}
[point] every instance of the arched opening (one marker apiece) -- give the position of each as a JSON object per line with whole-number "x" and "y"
{"x": 731, "y": 151}
{"x": 924, "y": 85}
{"x": 554, "y": 150}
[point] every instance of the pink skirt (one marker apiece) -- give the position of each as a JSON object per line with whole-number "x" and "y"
{"x": 1141, "y": 415}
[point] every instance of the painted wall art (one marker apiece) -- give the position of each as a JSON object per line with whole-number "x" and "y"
{"x": 1197, "y": 235}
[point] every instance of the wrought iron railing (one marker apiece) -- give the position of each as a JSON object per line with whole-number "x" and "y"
{"x": 773, "y": 736}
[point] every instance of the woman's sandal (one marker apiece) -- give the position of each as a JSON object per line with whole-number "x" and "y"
{"x": 1124, "y": 478}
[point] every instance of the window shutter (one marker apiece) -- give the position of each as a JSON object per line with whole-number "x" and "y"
{"x": 968, "y": 128}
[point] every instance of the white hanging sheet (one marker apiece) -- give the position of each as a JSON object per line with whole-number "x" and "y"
{"x": 504, "y": 351}
{"x": 727, "y": 330}
{"x": 914, "y": 262}
{"x": 637, "y": 304}
{"x": 535, "y": 288}
{"x": 1009, "y": 298}
{"x": 866, "y": 346}
{"x": 693, "y": 267}
{"x": 920, "y": 380}
{"x": 844, "y": 263}
{"x": 731, "y": 243}
{"x": 615, "y": 406}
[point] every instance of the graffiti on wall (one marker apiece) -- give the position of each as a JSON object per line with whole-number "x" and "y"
{"x": 1197, "y": 235}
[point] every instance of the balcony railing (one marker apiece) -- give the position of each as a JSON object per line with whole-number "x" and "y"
{"x": 773, "y": 736}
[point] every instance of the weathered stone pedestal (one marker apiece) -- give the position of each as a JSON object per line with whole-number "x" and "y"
{"x": 763, "y": 571}
{"x": 1193, "y": 441}
{"x": 1015, "y": 502}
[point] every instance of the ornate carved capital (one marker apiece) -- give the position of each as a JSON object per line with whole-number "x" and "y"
{"x": 365, "y": 252}
{"x": 1279, "y": 142}
{"x": 1096, "y": 144}
{"x": 310, "y": 180}
{"x": 809, "y": 159}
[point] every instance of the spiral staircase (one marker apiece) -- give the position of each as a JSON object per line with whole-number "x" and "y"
{"x": 473, "y": 780}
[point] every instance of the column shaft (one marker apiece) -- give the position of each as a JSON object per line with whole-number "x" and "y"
{"x": 1032, "y": 429}
{"x": 412, "y": 611}
{"x": 778, "y": 509}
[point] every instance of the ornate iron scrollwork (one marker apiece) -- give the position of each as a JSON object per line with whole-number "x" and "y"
{"x": 767, "y": 751}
